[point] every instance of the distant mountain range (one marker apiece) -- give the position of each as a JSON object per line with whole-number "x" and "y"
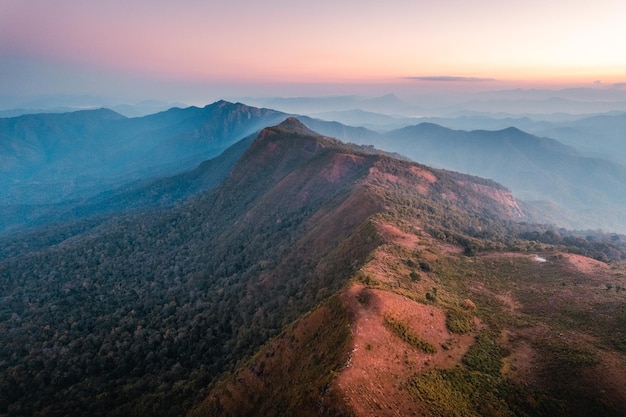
{"x": 601, "y": 135}
{"x": 536, "y": 169}
{"x": 57, "y": 166}
{"x": 54, "y": 157}
{"x": 598, "y": 135}
{"x": 17, "y": 106}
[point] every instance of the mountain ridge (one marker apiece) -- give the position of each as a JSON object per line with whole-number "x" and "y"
{"x": 174, "y": 297}
{"x": 387, "y": 341}
{"x": 39, "y": 174}
{"x": 536, "y": 169}
{"x": 398, "y": 272}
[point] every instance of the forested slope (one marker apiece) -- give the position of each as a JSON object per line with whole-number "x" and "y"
{"x": 140, "y": 314}
{"x": 144, "y": 313}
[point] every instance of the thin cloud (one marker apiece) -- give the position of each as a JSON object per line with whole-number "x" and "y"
{"x": 447, "y": 78}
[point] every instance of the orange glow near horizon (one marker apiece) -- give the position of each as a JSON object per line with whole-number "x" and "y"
{"x": 530, "y": 43}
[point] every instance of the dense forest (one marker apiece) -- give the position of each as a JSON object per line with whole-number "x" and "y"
{"x": 143, "y": 312}
{"x": 156, "y": 305}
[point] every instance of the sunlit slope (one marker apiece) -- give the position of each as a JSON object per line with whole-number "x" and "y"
{"x": 424, "y": 329}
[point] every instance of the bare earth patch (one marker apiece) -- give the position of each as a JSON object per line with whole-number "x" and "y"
{"x": 423, "y": 173}
{"x": 522, "y": 364}
{"x": 381, "y": 362}
{"x": 341, "y": 166}
{"x": 396, "y": 236}
{"x": 586, "y": 265}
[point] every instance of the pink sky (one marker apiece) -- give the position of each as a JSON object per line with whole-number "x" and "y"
{"x": 74, "y": 45}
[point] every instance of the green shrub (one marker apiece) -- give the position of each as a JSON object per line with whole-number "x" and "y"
{"x": 461, "y": 392}
{"x": 425, "y": 266}
{"x": 459, "y": 321}
{"x": 571, "y": 358}
{"x": 400, "y": 330}
{"x": 485, "y": 355}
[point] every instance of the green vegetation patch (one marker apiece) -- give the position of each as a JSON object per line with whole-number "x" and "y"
{"x": 459, "y": 321}
{"x": 568, "y": 358}
{"x": 478, "y": 388}
{"x": 400, "y": 330}
{"x": 461, "y": 392}
{"x": 485, "y": 354}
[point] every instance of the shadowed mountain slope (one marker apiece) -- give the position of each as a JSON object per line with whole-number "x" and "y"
{"x": 47, "y": 158}
{"x": 140, "y": 194}
{"x": 221, "y": 273}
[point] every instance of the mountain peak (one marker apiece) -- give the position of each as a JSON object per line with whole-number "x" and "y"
{"x": 293, "y": 125}
{"x": 514, "y": 131}
{"x": 226, "y": 105}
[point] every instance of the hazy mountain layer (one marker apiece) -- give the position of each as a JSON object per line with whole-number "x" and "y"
{"x": 48, "y": 158}
{"x": 584, "y": 192}
{"x": 57, "y": 166}
{"x": 601, "y": 135}
{"x": 147, "y": 193}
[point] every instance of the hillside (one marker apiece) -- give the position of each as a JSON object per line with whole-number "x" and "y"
{"x": 47, "y": 158}
{"x": 586, "y": 192}
{"x": 559, "y": 184}
{"x": 423, "y": 329}
{"x": 317, "y": 279}
{"x": 64, "y": 166}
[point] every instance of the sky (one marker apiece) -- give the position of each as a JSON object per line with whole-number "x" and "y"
{"x": 191, "y": 49}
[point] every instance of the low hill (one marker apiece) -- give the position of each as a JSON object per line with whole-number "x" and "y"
{"x": 319, "y": 278}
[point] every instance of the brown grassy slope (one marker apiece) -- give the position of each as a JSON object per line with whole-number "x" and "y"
{"x": 511, "y": 335}
{"x": 544, "y": 364}
{"x": 546, "y": 336}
